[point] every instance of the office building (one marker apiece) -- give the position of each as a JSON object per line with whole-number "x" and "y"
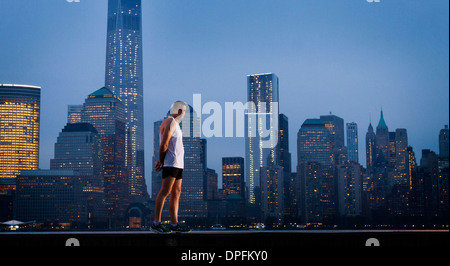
{"x": 105, "y": 111}
{"x": 124, "y": 77}
{"x": 444, "y": 142}
{"x": 272, "y": 193}
{"x": 233, "y": 176}
{"x": 352, "y": 142}
{"x": 19, "y": 129}
{"x": 19, "y": 138}
{"x": 315, "y": 170}
{"x": 79, "y": 148}
{"x": 350, "y": 178}
{"x": 263, "y": 91}
{"x": 74, "y": 114}
{"x": 382, "y": 142}
{"x": 51, "y": 196}
{"x": 370, "y": 149}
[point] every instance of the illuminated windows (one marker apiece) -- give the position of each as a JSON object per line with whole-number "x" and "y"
{"x": 19, "y": 129}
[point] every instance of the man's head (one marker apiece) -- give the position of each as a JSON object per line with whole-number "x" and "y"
{"x": 179, "y": 109}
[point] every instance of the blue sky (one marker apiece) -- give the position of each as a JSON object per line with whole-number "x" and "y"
{"x": 348, "y": 57}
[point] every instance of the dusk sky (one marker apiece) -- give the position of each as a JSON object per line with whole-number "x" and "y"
{"x": 348, "y": 57}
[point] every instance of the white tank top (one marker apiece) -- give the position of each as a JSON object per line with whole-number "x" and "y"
{"x": 175, "y": 152}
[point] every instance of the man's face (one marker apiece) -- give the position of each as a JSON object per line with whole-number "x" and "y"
{"x": 183, "y": 112}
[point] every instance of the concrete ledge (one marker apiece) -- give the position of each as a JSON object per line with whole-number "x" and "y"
{"x": 232, "y": 239}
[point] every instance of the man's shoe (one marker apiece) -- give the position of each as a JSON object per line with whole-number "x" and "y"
{"x": 179, "y": 229}
{"x": 160, "y": 228}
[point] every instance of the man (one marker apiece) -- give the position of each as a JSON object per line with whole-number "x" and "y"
{"x": 171, "y": 162}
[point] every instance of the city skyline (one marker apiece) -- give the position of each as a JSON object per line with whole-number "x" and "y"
{"x": 409, "y": 81}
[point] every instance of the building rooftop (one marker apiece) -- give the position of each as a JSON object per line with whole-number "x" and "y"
{"x": 382, "y": 123}
{"x": 19, "y": 86}
{"x": 79, "y": 127}
{"x": 103, "y": 93}
{"x": 313, "y": 122}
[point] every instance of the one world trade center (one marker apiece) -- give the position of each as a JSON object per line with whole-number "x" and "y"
{"x": 124, "y": 77}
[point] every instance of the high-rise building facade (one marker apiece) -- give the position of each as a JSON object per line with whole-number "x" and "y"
{"x": 105, "y": 111}
{"x": 401, "y": 170}
{"x": 19, "y": 129}
{"x": 272, "y": 193}
{"x": 350, "y": 177}
{"x": 335, "y": 125}
{"x": 19, "y": 139}
{"x": 444, "y": 142}
{"x": 263, "y": 92}
{"x": 352, "y": 142}
{"x": 79, "y": 148}
{"x": 124, "y": 77}
{"x": 74, "y": 114}
{"x": 315, "y": 171}
{"x": 370, "y": 149}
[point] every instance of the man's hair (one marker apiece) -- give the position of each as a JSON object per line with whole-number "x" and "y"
{"x": 177, "y": 106}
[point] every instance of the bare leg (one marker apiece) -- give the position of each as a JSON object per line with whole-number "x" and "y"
{"x": 174, "y": 201}
{"x": 166, "y": 188}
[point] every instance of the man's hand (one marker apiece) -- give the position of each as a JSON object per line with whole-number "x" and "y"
{"x": 158, "y": 166}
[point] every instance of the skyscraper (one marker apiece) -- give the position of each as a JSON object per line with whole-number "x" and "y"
{"x": 233, "y": 176}
{"x": 19, "y": 129}
{"x": 336, "y": 126}
{"x": 105, "y": 111}
{"x": 193, "y": 199}
{"x": 79, "y": 148}
{"x": 19, "y": 138}
{"x": 349, "y": 188}
{"x": 382, "y": 141}
{"x": 74, "y": 114}
{"x": 314, "y": 143}
{"x": 370, "y": 149}
{"x": 272, "y": 195}
{"x": 401, "y": 171}
{"x": 263, "y": 91}
{"x": 124, "y": 76}
{"x": 352, "y": 142}
{"x": 444, "y": 142}
{"x": 315, "y": 171}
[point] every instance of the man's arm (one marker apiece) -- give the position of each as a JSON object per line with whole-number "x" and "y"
{"x": 167, "y": 133}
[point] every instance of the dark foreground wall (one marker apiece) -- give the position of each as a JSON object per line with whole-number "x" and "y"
{"x": 233, "y": 239}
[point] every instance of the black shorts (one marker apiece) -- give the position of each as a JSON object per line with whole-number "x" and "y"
{"x": 172, "y": 172}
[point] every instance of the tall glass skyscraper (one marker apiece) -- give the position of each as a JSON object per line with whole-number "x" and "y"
{"x": 263, "y": 92}
{"x": 124, "y": 75}
{"x": 352, "y": 142}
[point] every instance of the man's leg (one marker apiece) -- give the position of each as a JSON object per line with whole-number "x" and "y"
{"x": 166, "y": 188}
{"x": 174, "y": 201}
